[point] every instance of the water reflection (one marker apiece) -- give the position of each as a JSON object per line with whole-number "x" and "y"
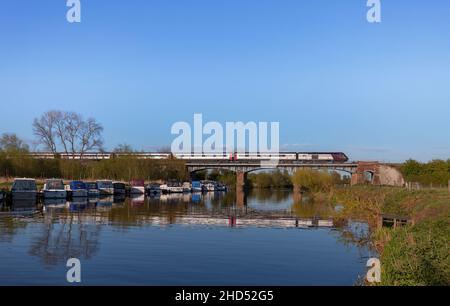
{"x": 258, "y": 208}
{"x": 71, "y": 237}
{"x": 261, "y": 209}
{"x": 57, "y": 230}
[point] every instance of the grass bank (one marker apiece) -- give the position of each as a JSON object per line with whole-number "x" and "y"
{"x": 415, "y": 254}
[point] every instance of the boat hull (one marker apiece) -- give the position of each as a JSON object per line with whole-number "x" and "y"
{"x": 79, "y": 193}
{"x": 137, "y": 190}
{"x": 24, "y": 195}
{"x": 93, "y": 193}
{"x": 176, "y": 189}
{"x": 55, "y": 194}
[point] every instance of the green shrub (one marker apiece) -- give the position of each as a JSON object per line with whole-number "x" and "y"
{"x": 313, "y": 180}
{"x": 418, "y": 255}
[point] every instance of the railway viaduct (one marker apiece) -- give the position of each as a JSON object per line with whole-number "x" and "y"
{"x": 361, "y": 172}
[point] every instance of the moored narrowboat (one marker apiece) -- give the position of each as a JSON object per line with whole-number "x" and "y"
{"x": 137, "y": 187}
{"x": 119, "y": 188}
{"x": 105, "y": 187}
{"x": 24, "y": 189}
{"x": 78, "y": 189}
{"x": 54, "y": 189}
{"x": 92, "y": 189}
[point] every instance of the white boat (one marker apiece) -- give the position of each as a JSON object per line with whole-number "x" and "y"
{"x": 175, "y": 189}
{"x": 171, "y": 187}
{"x": 210, "y": 186}
{"x": 137, "y": 187}
{"x": 164, "y": 188}
{"x": 24, "y": 189}
{"x": 54, "y": 189}
{"x": 186, "y": 187}
{"x": 105, "y": 187}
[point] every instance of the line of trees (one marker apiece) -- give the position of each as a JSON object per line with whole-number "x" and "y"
{"x": 435, "y": 172}
{"x": 125, "y": 168}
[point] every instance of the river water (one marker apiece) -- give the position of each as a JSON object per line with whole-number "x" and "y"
{"x": 261, "y": 238}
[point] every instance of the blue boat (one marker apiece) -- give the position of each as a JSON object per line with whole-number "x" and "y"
{"x": 79, "y": 189}
{"x": 92, "y": 189}
{"x": 196, "y": 186}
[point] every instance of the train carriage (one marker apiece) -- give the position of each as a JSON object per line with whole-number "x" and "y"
{"x": 303, "y": 157}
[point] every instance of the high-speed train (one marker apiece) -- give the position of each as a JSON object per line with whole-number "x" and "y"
{"x": 309, "y": 157}
{"x": 336, "y": 157}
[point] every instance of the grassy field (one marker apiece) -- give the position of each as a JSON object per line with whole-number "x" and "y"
{"x": 416, "y": 254}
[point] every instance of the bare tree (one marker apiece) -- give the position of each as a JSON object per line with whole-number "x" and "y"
{"x": 72, "y": 132}
{"x": 44, "y": 129}
{"x": 90, "y": 136}
{"x": 61, "y": 128}
{"x": 12, "y": 143}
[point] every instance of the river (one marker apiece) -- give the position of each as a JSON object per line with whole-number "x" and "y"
{"x": 261, "y": 238}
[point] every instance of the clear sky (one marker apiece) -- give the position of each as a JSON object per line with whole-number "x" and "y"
{"x": 332, "y": 80}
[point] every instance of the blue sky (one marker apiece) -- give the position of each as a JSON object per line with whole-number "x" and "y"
{"x": 332, "y": 80}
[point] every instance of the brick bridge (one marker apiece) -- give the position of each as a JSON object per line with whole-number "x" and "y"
{"x": 361, "y": 172}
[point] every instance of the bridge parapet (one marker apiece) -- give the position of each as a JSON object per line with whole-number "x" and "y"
{"x": 379, "y": 174}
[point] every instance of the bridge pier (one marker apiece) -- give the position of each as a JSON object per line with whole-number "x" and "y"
{"x": 241, "y": 177}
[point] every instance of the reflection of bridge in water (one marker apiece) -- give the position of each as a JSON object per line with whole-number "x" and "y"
{"x": 170, "y": 210}
{"x": 225, "y": 217}
{"x": 212, "y": 208}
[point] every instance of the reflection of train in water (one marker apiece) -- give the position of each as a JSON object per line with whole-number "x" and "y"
{"x": 306, "y": 157}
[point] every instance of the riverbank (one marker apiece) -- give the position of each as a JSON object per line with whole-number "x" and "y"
{"x": 414, "y": 254}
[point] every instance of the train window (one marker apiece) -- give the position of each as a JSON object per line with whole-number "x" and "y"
{"x": 315, "y": 156}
